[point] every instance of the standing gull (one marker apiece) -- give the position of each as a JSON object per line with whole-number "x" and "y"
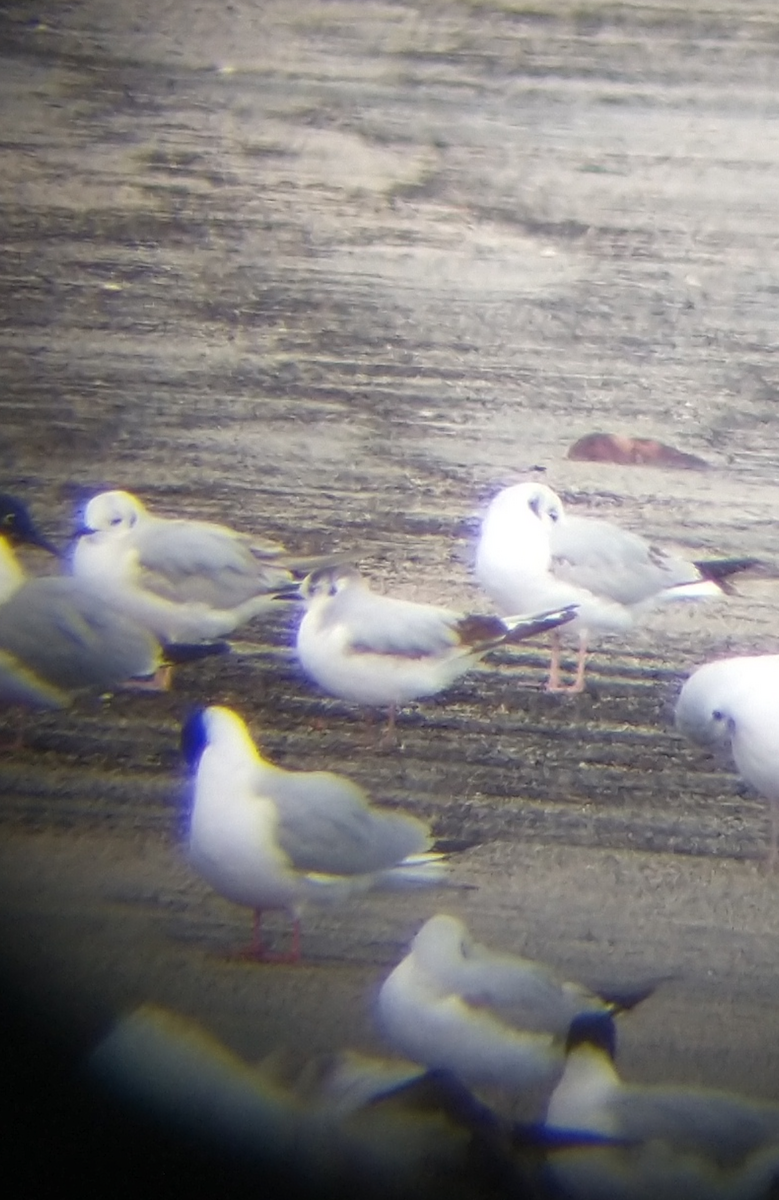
{"x": 273, "y": 839}
{"x": 533, "y": 555}
{"x": 736, "y": 701}
{"x": 187, "y": 581}
{"x": 379, "y": 650}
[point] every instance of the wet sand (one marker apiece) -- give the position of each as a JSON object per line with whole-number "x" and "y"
{"x": 335, "y": 274}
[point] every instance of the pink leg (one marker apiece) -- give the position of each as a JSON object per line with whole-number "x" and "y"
{"x": 390, "y": 737}
{"x": 553, "y": 682}
{"x": 581, "y": 662}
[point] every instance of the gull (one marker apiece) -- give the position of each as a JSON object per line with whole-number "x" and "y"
{"x": 273, "y": 839}
{"x": 379, "y": 650}
{"x": 532, "y": 554}
{"x": 735, "y": 701}
{"x": 420, "y": 1135}
{"x": 57, "y": 637}
{"x": 187, "y": 581}
{"x": 526, "y": 992}
{"x": 428, "y": 1020}
{"x": 678, "y": 1141}
{"x": 16, "y": 528}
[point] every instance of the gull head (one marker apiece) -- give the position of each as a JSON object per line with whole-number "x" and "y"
{"x": 533, "y": 499}
{"x": 703, "y": 712}
{"x": 327, "y": 582}
{"x": 17, "y": 526}
{"x": 215, "y": 726}
{"x": 115, "y": 511}
{"x": 442, "y": 941}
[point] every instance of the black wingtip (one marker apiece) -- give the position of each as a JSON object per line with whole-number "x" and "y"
{"x": 719, "y": 570}
{"x": 185, "y": 652}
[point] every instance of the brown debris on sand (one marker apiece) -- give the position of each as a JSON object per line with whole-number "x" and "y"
{"x": 645, "y": 452}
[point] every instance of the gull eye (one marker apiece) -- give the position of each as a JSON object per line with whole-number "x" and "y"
{"x": 9, "y": 518}
{"x": 717, "y": 715}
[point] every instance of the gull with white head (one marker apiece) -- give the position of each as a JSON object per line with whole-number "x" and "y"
{"x": 186, "y": 580}
{"x": 269, "y": 839}
{"x": 383, "y": 651}
{"x": 532, "y": 554}
{"x": 735, "y": 702}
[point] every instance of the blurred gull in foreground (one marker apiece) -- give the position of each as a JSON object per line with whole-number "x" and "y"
{"x": 274, "y": 839}
{"x": 736, "y": 701}
{"x": 379, "y": 650}
{"x": 406, "y": 1133}
{"x": 533, "y": 555}
{"x": 187, "y": 581}
{"x": 689, "y": 1142}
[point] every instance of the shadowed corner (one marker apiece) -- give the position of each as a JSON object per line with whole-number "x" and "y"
{"x": 63, "y": 1133}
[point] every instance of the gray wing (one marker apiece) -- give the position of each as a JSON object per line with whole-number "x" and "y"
{"x": 69, "y": 637}
{"x": 613, "y": 563}
{"x": 386, "y": 625}
{"x": 326, "y": 824}
{"x": 206, "y": 563}
{"x": 724, "y": 1128}
{"x": 522, "y": 993}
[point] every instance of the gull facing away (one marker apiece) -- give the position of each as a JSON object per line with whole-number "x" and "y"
{"x": 527, "y": 993}
{"x": 492, "y": 1018}
{"x": 426, "y": 1019}
{"x": 736, "y": 702}
{"x": 187, "y": 581}
{"x": 273, "y": 839}
{"x": 678, "y": 1141}
{"x": 56, "y": 636}
{"x": 379, "y": 650}
{"x": 533, "y": 555}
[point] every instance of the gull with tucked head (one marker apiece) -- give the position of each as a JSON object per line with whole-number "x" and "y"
{"x": 186, "y": 580}
{"x": 532, "y": 554}
{"x": 383, "y": 651}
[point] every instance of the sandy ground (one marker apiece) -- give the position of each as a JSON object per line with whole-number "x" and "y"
{"x": 335, "y": 273}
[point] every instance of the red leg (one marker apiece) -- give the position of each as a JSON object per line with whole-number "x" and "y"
{"x": 256, "y": 950}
